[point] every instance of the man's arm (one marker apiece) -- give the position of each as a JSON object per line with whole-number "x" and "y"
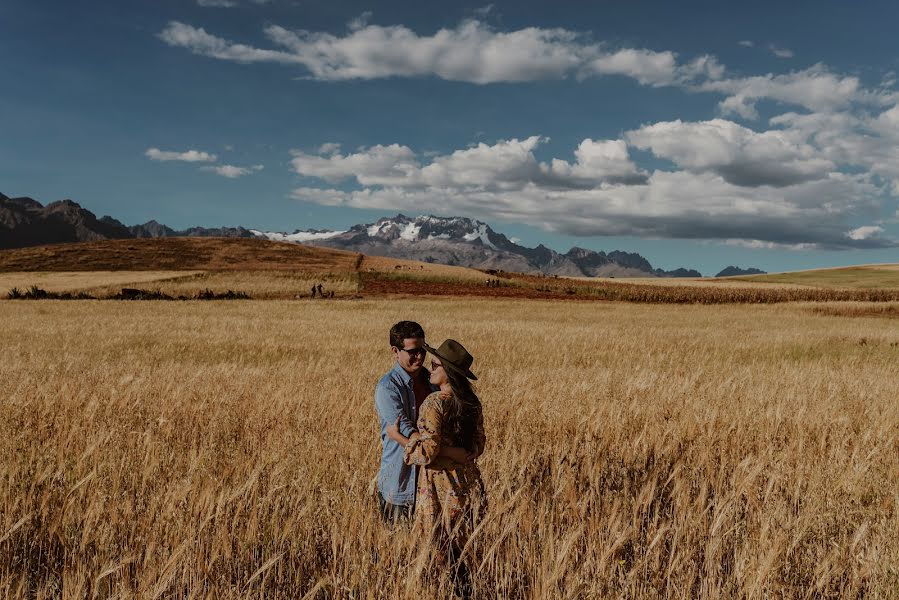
{"x": 389, "y": 404}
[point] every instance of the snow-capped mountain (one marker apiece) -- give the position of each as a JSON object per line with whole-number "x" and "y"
{"x": 472, "y": 243}
{"x": 453, "y": 241}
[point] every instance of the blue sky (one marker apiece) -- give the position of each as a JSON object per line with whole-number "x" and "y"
{"x": 698, "y": 134}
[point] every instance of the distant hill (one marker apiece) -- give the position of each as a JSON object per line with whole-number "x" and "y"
{"x": 877, "y": 276}
{"x": 736, "y": 271}
{"x": 183, "y": 254}
{"x": 25, "y": 222}
{"x": 455, "y": 241}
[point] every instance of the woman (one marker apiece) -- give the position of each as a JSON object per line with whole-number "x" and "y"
{"x": 450, "y": 495}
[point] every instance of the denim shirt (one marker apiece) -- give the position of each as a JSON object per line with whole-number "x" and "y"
{"x": 394, "y": 397}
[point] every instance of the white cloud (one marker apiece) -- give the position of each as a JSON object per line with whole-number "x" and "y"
{"x": 761, "y": 245}
{"x": 815, "y": 88}
{"x": 232, "y": 172}
{"x": 476, "y": 53}
{"x": 646, "y": 66}
{"x": 484, "y": 10}
{"x": 507, "y": 164}
{"x": 199, "y": 42}
{"x": 746, "y": 43}
{"x": 865, "y": 232}
{"x": 378, "y": 165}
{"x": 471, "y": 52}
{"x": 188, "y": 156}
{"x": 602, "y": 192}
{"x": 866, "y": 141}
{"x": 738, "y": 154}
{"x": 217, "y": 3}
{"x": 780, "y": 52}
{"x": 360, "y": 22}
{"x": 329, "y": 148}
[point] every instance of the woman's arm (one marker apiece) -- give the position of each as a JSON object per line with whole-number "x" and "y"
{"x": 424, "y": 450}
{"x": 454, "y": 453}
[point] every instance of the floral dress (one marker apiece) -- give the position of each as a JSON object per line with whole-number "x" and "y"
{"x": 450, "y": 497}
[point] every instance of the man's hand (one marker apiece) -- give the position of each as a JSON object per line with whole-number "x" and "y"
{"x": 393, "y": 432}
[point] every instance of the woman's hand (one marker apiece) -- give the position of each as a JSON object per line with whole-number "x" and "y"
{"x": 456, "y": 454}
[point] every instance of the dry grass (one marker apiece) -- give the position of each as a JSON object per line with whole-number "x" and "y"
{"x": 860, "y": 277}
{"x": 68, "y": 281}
{"x": 226, "y": 450}
{"x": 704, "y": 282}
{"x": 178, "y": 254}
{"x": 258, "y": 284}
{"x": 414, "y": 269}
{"x": 858, "y": 309}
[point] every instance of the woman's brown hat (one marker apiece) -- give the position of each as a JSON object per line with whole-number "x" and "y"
{"x": 454, "y": 356}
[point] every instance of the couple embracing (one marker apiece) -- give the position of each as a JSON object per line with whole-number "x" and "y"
{"x": 432, "y": 433}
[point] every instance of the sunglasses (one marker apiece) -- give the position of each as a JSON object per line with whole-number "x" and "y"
{"x": 413, "y": 351}
{"x": 434, "y": 366}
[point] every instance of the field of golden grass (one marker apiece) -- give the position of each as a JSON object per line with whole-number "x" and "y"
{"x": 75, "y": 281}
{"x": 860, "y": 277}
{"x": 227, "y": 450}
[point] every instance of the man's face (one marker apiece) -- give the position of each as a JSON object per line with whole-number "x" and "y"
{"x": 412, "y": 355}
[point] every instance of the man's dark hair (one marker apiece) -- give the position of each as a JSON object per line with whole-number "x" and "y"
{"x": 403, "y": 330}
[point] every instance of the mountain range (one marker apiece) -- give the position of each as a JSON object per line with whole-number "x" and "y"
{"x": 453, "y": 241}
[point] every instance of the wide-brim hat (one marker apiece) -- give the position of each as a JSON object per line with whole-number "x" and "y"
{"x": 454, "y": 356}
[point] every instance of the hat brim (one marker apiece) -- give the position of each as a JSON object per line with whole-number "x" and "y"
{"x": 447, "y": 363}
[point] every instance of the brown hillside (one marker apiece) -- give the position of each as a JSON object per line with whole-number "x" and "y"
{"x": 177, "y": 254}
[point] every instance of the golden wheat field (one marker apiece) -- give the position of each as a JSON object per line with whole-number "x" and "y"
{"x": 227, "y": 450}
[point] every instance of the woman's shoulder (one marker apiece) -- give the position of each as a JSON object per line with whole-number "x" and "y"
{"x": 436, "y": 399}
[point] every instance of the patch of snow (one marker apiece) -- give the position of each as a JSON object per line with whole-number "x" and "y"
{"x": 480, "y": 233}
{"x": 297, "y": 236}
{"x": 375, "y": 229}
{"x": 410, "y": 231}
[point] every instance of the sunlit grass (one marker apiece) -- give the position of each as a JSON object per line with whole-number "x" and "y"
{"x": 227, "y": 450}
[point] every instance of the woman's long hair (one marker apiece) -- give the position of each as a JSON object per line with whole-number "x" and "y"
{"x": 461, "y": 410}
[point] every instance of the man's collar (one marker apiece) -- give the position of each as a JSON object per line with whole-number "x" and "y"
{"x": 406, "y": 376}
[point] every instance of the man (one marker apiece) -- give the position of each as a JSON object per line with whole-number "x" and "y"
{"x": 397, "y": 397}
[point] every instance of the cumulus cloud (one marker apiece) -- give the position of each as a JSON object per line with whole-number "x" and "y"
{"x": 746, "y": 43}
{"x": 602, "y": 192}
{"x": 815, "y": 88}
{"x": 187, "y": 156}
{"x": 476, "y": 53}
{"x": 865, "y": 232}
{"x": 471, "y": 52}
{"x": 232, "y": 172}
{"x": 738, "y": 154}
{"x": 378, "y": 165}
{"x": 506, "y": 165}
{"x": 866, "y": 141}
{"x": 329, "y": 148}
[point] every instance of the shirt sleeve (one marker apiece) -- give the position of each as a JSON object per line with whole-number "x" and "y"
{"x": 389, "y": 404}
{"x": 425, "y": 448}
